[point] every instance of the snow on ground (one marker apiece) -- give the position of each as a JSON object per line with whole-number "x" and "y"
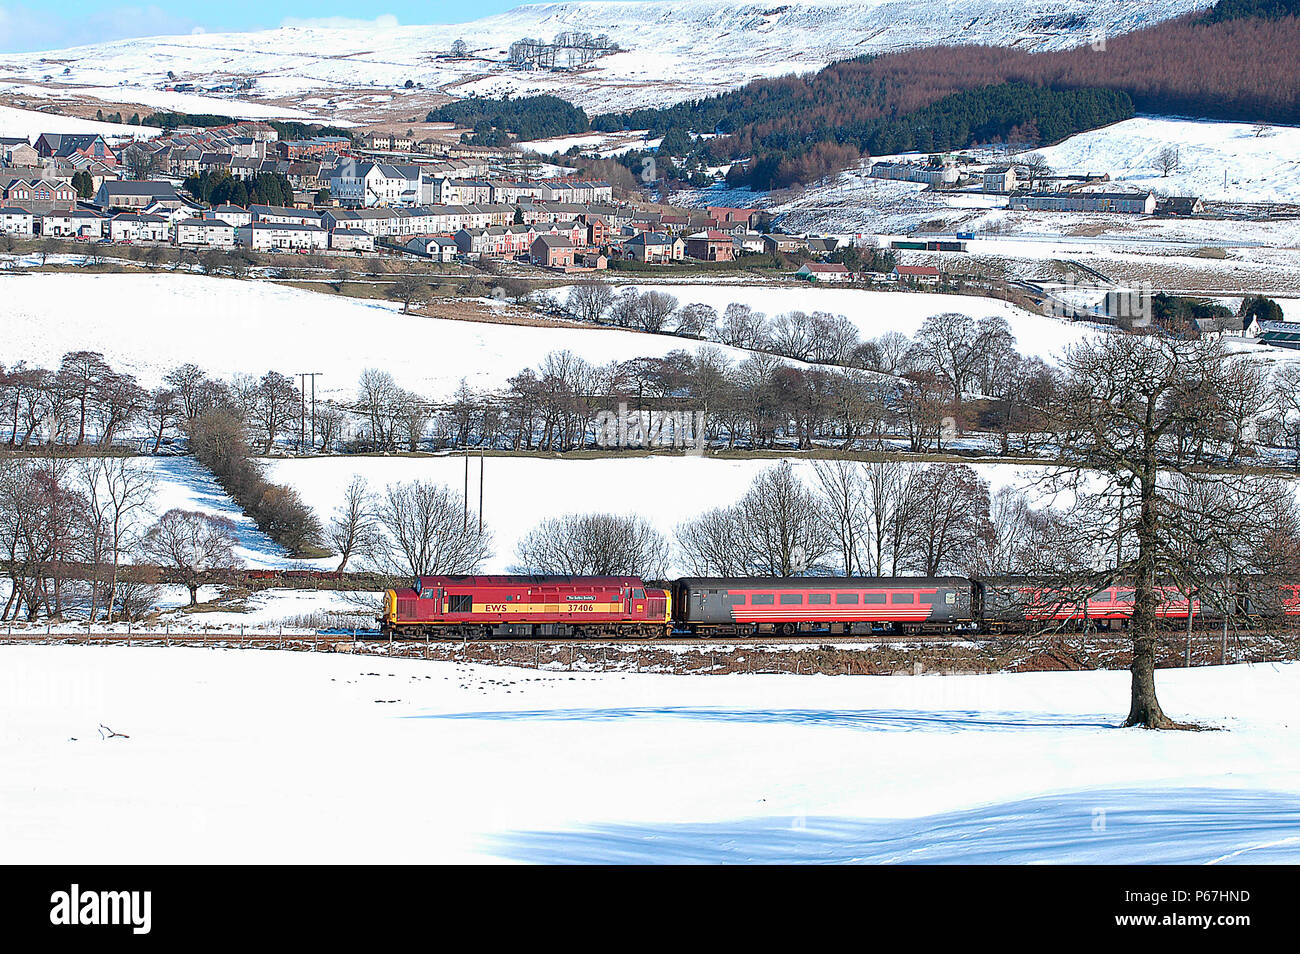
{"x": 31, "y": 123}
{"x": 144, "y": 324}
{"x": 266, "y": 756}
{"x": 182, "y": 483}
{"x": 519, "y": 492}
{"x": 1217, "y": 160}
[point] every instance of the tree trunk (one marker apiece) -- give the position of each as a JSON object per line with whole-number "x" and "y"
{"x": 1144, "y": 707}
{"x": 194, "y": 593}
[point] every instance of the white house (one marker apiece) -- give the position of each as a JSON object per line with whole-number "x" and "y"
{"x": 73, "y": 223}
{"x": 352, "y": 240}
{"x": 137, "y": 228}
{"x": 231, "y": 214}
{"x": 361, "y": 183}
{"x": 279, "y": 215}
{"x": 15, "y": 221}
{"x": 266, "y": 236}
{"x": 206, "y": 233}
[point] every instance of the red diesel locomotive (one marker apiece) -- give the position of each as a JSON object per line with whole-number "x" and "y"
{"x": 527, "y": 606}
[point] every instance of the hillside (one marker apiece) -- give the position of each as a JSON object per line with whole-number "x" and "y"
{"x": 793, "y": 130}
{"x": 674, "y": 51}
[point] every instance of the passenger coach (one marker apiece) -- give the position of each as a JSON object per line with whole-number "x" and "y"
{"x": 849, "y": 605}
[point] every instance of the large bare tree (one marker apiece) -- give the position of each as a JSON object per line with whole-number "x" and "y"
{"x": 1119, "y": 412}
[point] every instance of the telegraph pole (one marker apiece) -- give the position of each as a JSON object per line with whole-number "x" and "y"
{"x": 302, "y": 416}
{"x": 481, "y": 458}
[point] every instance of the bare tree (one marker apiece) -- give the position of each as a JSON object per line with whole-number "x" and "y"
{"x": 776, "y": 529}
{"x": 427, "y": 529}
{"x": 590, "y": 300}
{"x": 843, "y": 498}
{"x": 197, "y": 548}
{"x": 1168, "y": 160}
{"x": 120, "y": 491}
{"x": 1115, "y": 422}
{"x": 599, "y": 544}
{"x": 353, "y": 531}
{"x": 410, "y": 289}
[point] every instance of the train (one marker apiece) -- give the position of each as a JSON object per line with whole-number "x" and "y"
{"x": 601, "y": 606}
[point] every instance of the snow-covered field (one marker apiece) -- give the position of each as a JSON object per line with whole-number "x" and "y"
{"x": 145, "y": 324}
{"x": 141, "y": 324}
{"x": 673, "y": 50}
{"x": 265, "y": 756}
{"x": 518, "y": 492}
{"x": 31, "y": 123}
{"x": 1216, "y": 160}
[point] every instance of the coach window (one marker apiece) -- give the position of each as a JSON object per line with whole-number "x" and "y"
{"x": 819, "y": 598}
{"x": 846, "y": 599}
{"x": 873, "y": 598}
{"x": 903, "y": 598}
{"x": 761, "y": 599}
{"x": 792, "y": 599}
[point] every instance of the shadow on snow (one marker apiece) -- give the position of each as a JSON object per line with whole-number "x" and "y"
{"x": 1159, "y": 826}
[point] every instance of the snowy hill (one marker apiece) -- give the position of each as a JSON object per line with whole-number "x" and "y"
{"x": 673, "y": 50}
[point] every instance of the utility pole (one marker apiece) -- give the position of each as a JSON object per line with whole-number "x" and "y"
{"x": 302, "y": 416}
{"x": 481, "y": 459}
{"x": 465, "y": 496}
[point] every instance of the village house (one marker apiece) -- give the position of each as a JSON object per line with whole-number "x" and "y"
{"x": 440, "y": 248}
{"x": 711, "y": 246}
{"x": 281, "y": 215}
{"x": 73, "y": 223}
{"x": 785, "y": 244}
{"x": 231, "y": 214}
{"x": 553, "y": 251}
{"x": 942, "y": 172}
{"x": 1002, "y": 179}
{"x": 1179, "y": 205}
{"x": 351, "y": 240}
{"x": 1135, "y": 203}
{"x": 267, "y": 236}
{"x": 17, "y": 151}
{"x": 725, "y": 215}
{"x": 359, "y": 182}
{"x": 131, "y": 227}
{"x": 15, "y": 221}
{"x": 916, "y": 274}
{"x": 64, "y": 145}
{"x": 205, "y": 233}
{"x": 654, "y": 248}
{"x": 823, "y": 272}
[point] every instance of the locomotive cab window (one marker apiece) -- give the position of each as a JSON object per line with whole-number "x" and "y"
{"x": 638, "y": 594}
{"x": 427, "y": 593}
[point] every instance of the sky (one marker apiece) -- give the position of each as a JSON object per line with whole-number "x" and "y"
{"x": 56, "y": 24}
